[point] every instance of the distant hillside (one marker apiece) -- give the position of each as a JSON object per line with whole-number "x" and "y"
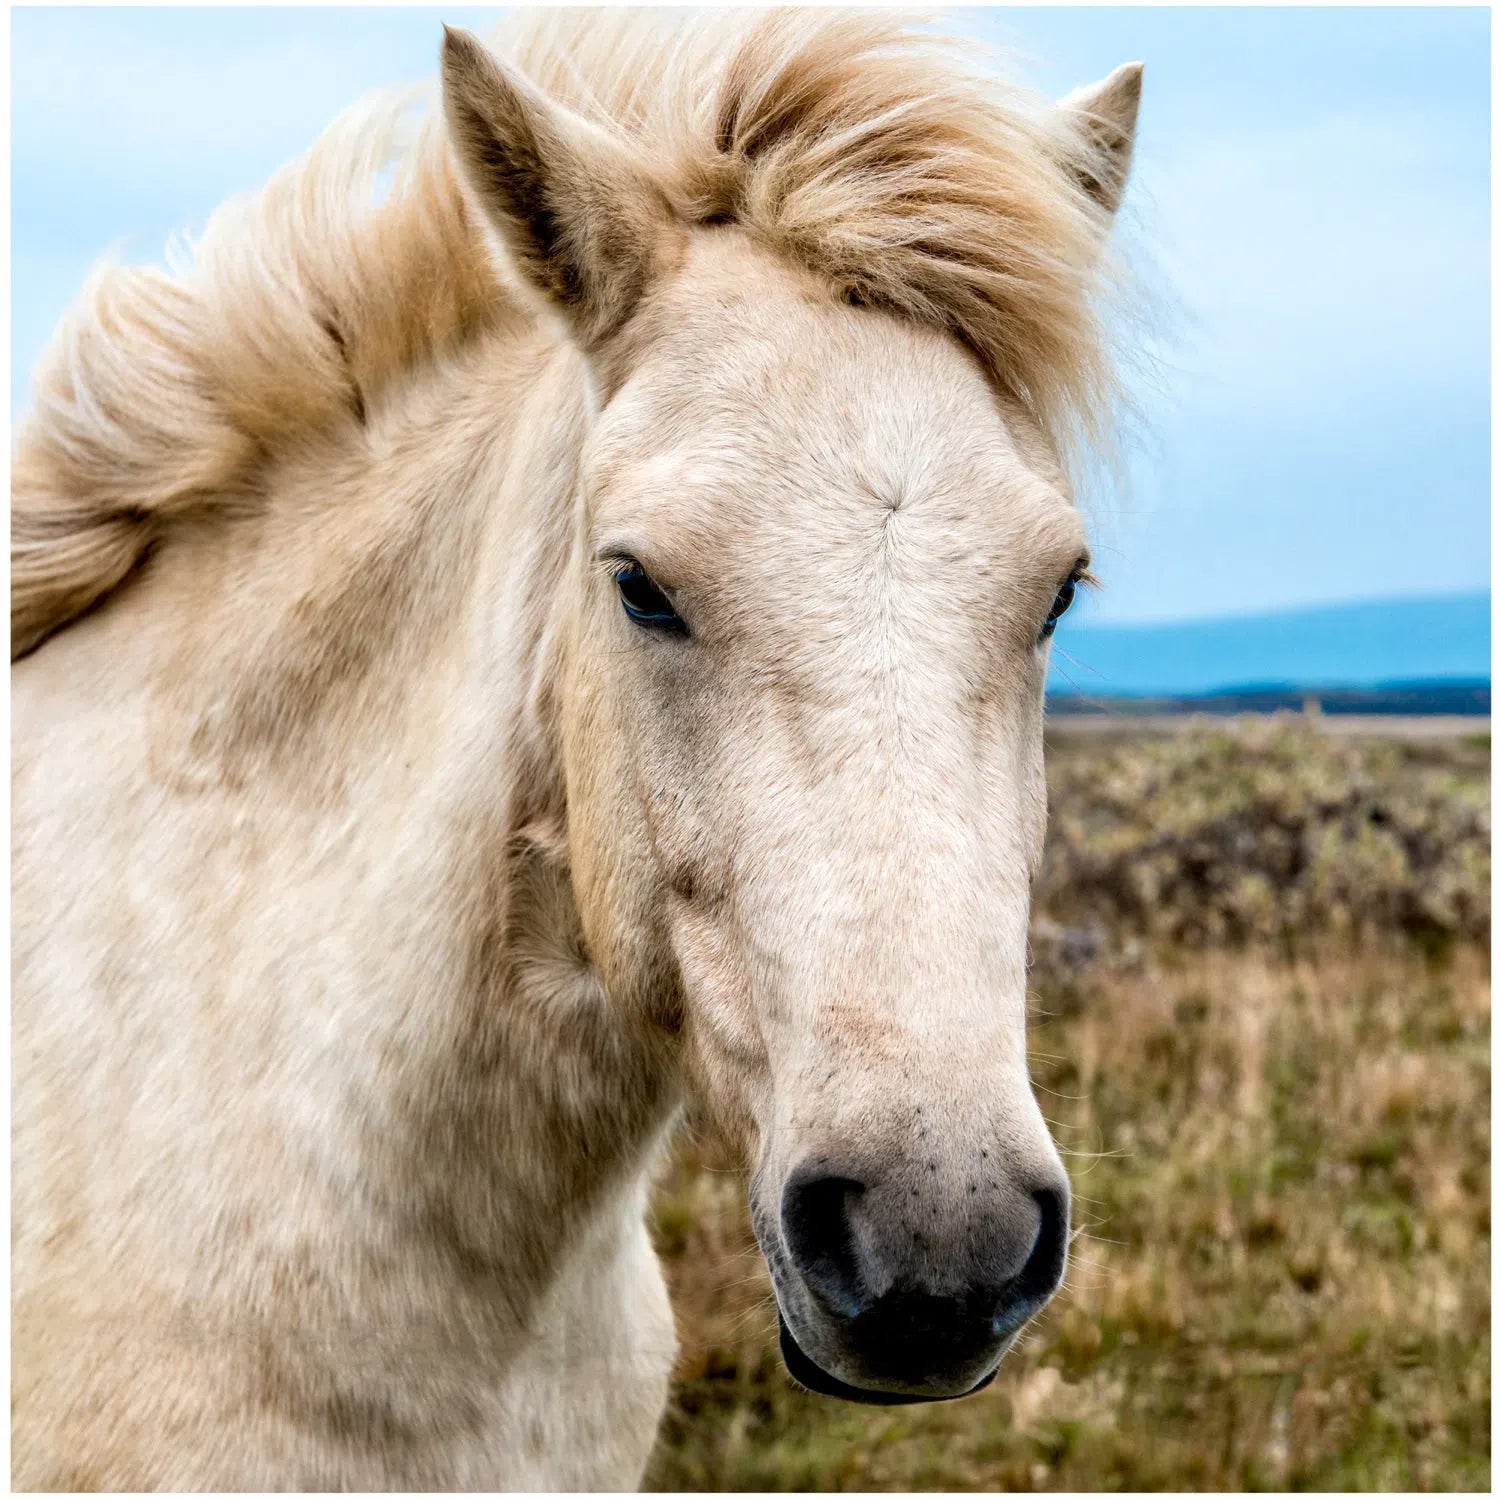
{"x": 1436, "y": 646}
{"x": 1447, "y": 696}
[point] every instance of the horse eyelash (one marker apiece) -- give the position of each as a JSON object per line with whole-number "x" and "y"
{"x": 608, "y": 564}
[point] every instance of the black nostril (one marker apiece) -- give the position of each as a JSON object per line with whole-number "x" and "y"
{"x": 815, "y": 1224}
{"x": 1027, "y": 1293}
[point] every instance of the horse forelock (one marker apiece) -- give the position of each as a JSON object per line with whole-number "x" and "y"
{"x": 855, "y": 144}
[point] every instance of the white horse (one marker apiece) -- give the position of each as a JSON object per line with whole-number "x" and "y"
{"x": 504, "y": 648}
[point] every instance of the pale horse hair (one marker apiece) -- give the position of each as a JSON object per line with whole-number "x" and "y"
{"x": 844, "y": 141}
{"x": 302, "y": 856}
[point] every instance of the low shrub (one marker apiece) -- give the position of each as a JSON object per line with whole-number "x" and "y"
{"x": 1246, "y": 829}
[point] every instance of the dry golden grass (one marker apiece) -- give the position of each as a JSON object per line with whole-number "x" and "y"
{"x": 1281, "y": 1157}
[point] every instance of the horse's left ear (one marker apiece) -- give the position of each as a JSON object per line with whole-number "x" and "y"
{"x": 580, "y": 221}
{"x": 1105, "y": 115}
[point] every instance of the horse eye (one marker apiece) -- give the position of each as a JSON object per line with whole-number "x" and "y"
{"x": 644, "y": 602}
{"x": 1060, "y": 606}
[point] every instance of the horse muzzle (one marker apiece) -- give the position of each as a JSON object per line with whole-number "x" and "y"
{"x": 887, "y": 1298}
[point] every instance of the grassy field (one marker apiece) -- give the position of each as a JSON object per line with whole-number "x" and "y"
{"x": 1261, "y": 1029}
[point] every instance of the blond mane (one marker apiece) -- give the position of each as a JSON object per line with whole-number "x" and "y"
{"x": 856, "y": 144}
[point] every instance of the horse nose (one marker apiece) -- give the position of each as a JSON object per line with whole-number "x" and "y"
{"x": 905, "y": 1291}
{"x": 817, "y": 1226}
{"x": 1025, "y": 1294}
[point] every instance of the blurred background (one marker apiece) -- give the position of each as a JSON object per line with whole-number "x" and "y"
{"x": 1261, "y": 981}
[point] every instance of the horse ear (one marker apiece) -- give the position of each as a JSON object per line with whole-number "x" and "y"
{"x": 1105, "y": 115}
{"x": 580, "y": 220}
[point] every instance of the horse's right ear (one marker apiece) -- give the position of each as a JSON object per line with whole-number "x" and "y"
{"x": 581, "y": 222}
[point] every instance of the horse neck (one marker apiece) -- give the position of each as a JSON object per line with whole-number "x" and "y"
{"x": 547, "y": 1068}
{"x": 513, "y": 1101}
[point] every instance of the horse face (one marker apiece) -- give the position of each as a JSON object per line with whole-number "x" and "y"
{"x": 800, "y": 692}
{"x": 803, "y": 723}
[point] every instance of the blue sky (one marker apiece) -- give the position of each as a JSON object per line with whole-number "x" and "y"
{"x": 1312, "y": 185}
